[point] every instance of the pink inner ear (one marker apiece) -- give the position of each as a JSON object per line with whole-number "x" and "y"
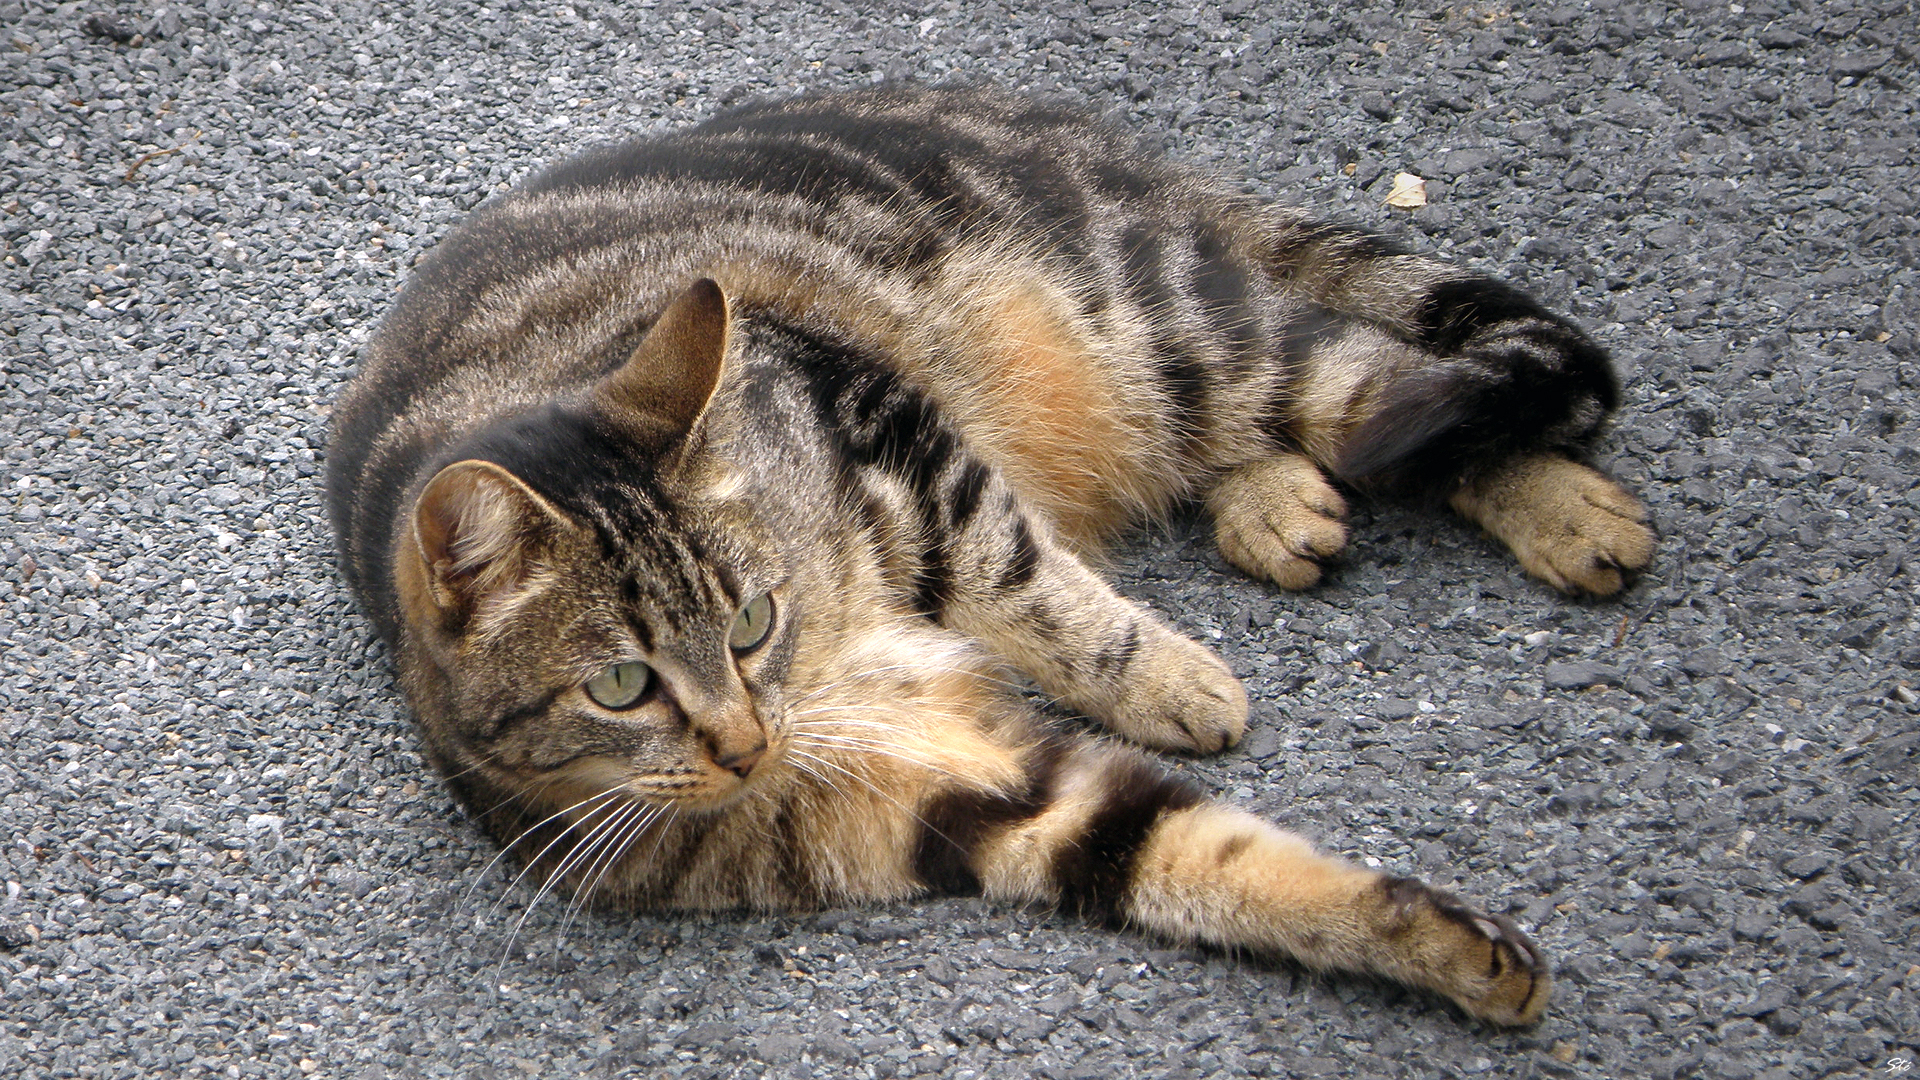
{"x": 473, "y": 523}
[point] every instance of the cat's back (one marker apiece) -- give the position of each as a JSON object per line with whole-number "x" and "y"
{"x": 985, "y": 243}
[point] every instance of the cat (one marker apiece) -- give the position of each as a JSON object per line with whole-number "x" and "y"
{"x": 708, "y": 487}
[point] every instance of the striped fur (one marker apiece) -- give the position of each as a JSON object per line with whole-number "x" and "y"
{"x": 809, "y": 415}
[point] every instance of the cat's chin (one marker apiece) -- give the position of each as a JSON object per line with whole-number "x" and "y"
{"x": 704, "y": 802}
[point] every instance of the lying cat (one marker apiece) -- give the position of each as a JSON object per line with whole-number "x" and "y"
{"x": 703, "y": 484}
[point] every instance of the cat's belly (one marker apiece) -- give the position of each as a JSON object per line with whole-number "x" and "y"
{"x": 1039, "y": 394}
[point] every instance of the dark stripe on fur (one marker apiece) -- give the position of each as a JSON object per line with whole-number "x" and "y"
{"x": 1225, "y": 293}
{"x": 1111, "y": 662}
{"x": 1026, "y": 557}
{"x": 965, "y": 497}
{"x": 1453, "y": 312}
{"x": 1518, "y": 381}
{"x": 1180, "y": 372}
{"x": 507, "y": 720}
{"x": 1310, "y": 328}
{"x": 880, "y": 421}
{"x": 675, "y": 855}
{"x": 954, "y": 824}
{"x": 932, "y": 581}
{"x": 1305, "y": 245}
{"x": 1095, "y": 874}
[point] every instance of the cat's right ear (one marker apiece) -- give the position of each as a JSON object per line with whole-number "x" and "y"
{"x": 665, "y": 386}
{"x": 480, "y": 533}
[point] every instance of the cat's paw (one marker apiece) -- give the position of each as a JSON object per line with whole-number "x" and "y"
{"x": 1179, "y": 696}
{"x": 1569, "y": 525}
{"x": 1483, "y": 962}
{"x": 1278, "y": 519}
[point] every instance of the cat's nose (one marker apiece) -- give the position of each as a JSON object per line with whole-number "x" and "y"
{"x": 742, "y": 763}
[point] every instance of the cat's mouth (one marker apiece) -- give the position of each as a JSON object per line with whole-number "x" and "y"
{"x": 711, "y": 787}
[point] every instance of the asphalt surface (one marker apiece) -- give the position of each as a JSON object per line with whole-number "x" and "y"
{"x": 222, "y": 855}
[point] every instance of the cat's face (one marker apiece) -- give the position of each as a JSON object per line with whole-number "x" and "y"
{"x": 648, "y": 665}
{"x": 596, "y": 612}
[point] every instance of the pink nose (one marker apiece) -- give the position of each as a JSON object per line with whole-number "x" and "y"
{"x": 742, "y": 763}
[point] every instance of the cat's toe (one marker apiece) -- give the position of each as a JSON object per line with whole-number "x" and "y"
{"x": 1569, "y": 525}
{"x": 1280, "y": 520}
{"x": 1183, "y": 698}
{"x": 1483, "y": 962}
{"x": 1595, "y": 542}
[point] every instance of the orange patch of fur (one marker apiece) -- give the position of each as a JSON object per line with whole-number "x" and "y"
{"x": 1052, "y": 418}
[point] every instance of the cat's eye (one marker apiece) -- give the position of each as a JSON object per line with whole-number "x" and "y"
{"x": 751, "y": 624}
{"x": 619, "y": 686}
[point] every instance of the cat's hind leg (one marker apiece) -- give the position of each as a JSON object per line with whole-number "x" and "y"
{"x": 1119, "y": 840}
{"x": 1568, "y": 524}
{"x": 1278, "y": 519}
{"x": 1483, "y": 402}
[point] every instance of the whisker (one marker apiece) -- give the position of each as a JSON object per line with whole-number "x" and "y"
{"x": 574, "y": 856}
{"x": 875, "y": 788}
{"x": 561, "y": 835}
{"x": 616, "y": 850}
{"x": 611, "y": 843}
{"x": 874, "y": 746}
{"x": 660, "y": 839}
{"x": 509, "y": 845}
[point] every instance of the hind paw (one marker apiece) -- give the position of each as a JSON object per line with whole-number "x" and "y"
{"x": 1278, "y": 519}
{"x": 1483, "y": 962}
{"x": 1568, "y": 525}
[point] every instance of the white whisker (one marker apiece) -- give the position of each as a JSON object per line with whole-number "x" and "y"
{"x": 873, "y": 746}
{"x": 615, "y": 845}
{"x": 871, "y": 786}
{"x": 528, "y": 796}
{"x": 588, "y": 821}
{"x": 574, "y": 856}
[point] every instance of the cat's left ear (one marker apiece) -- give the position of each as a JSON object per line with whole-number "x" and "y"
{"x": 665, "y": 386}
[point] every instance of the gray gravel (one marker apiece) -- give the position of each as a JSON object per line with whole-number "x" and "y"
{"x": 223, "y": 856}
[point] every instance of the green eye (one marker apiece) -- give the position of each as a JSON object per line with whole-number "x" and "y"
{"x": 750, "y": 626}
{"x": 620, "y": 685}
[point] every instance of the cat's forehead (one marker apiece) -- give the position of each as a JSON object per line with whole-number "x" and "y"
{"x": 657, "y": 527}
{"x": 672, "y": 574}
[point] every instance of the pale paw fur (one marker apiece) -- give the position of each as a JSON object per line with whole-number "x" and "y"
{"x": 1178, "y": 696}
{"x": 1278, "y": 519}
{"x": 1484, "y": 963}
{"x": 1569, "y": 525}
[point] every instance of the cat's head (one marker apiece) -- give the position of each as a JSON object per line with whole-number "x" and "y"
{"x": 593, "y": 612}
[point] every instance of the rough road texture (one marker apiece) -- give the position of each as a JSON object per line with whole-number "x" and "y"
{"x": 222, "y": 855}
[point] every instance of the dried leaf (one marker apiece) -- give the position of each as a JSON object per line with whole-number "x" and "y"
{"x": 1409, "y": 191}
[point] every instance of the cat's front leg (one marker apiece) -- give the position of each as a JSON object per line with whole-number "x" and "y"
{"x": 950, "y": 529}
{"x": 1036, "y": 604}
{"x": 993, "y": 569}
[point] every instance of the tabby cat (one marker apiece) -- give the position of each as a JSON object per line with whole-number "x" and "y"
{"x": 704, "y": 484}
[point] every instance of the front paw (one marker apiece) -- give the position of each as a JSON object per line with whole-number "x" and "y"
{"x": 1483, "y": 962}
{"x": 1178, "y": 696}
